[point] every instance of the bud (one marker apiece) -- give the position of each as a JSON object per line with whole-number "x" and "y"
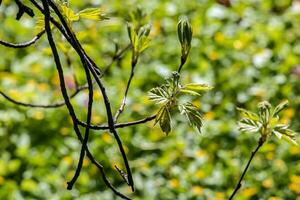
{"x": 264, "y": 111}
{"x": 185, "y": 34}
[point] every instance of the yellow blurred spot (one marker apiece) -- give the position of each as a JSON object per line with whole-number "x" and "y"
{"x": 200, "y": 174}
{"x": 68, "y": 160}
{"x": 213, "y": 55}
{"x": 106, "y": 137}
{"x": 97, "y": 95}
{"x": 64, "y": 131}
{"x": 197, "y": 190}
{"x": 200, "y": 153}
{"x": 219, "y": 37}
{"x": 280, "y": 164}
{"x": 295, "y": 179}
{"x": 156, "y": 28}
{"x": 294, "y": 150}
{"x": 209, "y": 116}
{"x": 1, "y": 180}
{"x": 43, "y": 87}
{"x": 295, "y": 187}
{"x": 38, "y": 115}
{"x": 55, "y": 80}
{"x": 274, "y": 198}
{"x": 14, "y": 94}
{"x": 287, "y": 115}
{"x": 238, "y": 44}
{"x": 220, "y": 196}
{"x": 248, "y": 192}
{"x": 86, "y": 162}
{"x": 268, "y": 183}
{"x": 35, "y": 68}
{"x": 174, "y": 183}
{"x": 97, "y": 119}
{"x": 270, "y": 155}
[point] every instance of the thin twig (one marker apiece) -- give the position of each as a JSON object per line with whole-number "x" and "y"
{"x": 239, "y": 184}
{"x": 121, "y": 108}
{"x": 53, "y": 105}
{"x": 24, "y": 44}
{"x": 119, "y": 125}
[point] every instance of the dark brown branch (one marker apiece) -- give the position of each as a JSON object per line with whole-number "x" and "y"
{"x": 93, "y": 68}
{"x": 65, "y": 95}
{"x": 119, "y": 125}
{"x": 87, "y": 130}
{"x": 239, "y": 184}
{"x": 54, "y": 105}
{"x": 24, "y": 44}
{"x": 23, "y": 9}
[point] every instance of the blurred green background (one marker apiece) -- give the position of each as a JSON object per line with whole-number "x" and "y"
{"x": 249, "y": 52}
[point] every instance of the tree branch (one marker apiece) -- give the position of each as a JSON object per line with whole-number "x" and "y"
{"x": 24, "y": 44}
{"x": 65, "y": 95}
{"x": 93, "y": 68}
{"x": 119, "y": 125}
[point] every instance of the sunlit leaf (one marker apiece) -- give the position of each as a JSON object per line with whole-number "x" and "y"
{"x": 92, "y": 14}
{"x": 164, "y": 118}
{"x": 280, "y": 107}
{"x": 193, "y": 114}
{"x": 248, "y": 114}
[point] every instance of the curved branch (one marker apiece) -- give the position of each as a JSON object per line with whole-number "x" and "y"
{"x": 119, "y": 125}
{"x": 54, "y": 105}
{"x": 24, "y": 44}
{"x": 93, "y": 68}
{"x": 46, "y": 12}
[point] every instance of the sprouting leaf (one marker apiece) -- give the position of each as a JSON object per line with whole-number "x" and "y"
{"x": 190, "y": 92}
{"x": 197, "y": 87}
{"x": 290, "y": 140}
{"x": 68, "y": 13}
{"x": 92, "y": 14}
{"x": 282, "y": 131}
{"x": 159, "y": 95}
{"x": 264, "y": 111}
{"x": 192, "y": 113}
{"x": 164, "y": 118}
{"x": 248, "y": 114}
{"x": 249, "y": 125}
{"x": 280, "y": 107}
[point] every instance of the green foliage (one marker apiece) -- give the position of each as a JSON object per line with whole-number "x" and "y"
{"x": 248, "y": 52}
{"x": 185, "y": 33}
{"x": 168, "y": 95}
{"x": 267, "y": 122}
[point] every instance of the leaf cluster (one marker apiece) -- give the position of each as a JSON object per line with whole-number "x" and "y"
{"x": 167, "y": 95}
{"x": 267, "y": 122}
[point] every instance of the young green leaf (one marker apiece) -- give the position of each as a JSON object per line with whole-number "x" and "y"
{"x": 192, "y": 113}
{"x": 92, "y": 14}
{"x": 280, "y": 107}
{"x": 159, "y": 94}
{"x": 248, "y": 114}
{"x": 164, "y": 118}
{"x": 249, "y": 125}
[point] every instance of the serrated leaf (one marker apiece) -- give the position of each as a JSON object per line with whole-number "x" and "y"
{"x": 159, "y": 95}
{"x": 289, "y": 140}
{"x": 280, "y": 107}
{"x": 68, "y": 13}
{"x": 92, "y": 14}
{"x": 248, "y": 114}
{"x": 193, "y": 114}
{"x": 164, "y": 118}
{"x": 197, "y": 87}
{"x": 249, "y": 125}
{"x": 190, "y": 92}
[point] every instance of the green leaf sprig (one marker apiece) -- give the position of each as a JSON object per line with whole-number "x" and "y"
{"x": 185, "y": 34}
{"x": 167, "y": 95}
{"x": 266, "y": 122}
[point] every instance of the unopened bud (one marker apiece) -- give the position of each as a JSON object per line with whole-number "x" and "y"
{"x": 185, "y": 33}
